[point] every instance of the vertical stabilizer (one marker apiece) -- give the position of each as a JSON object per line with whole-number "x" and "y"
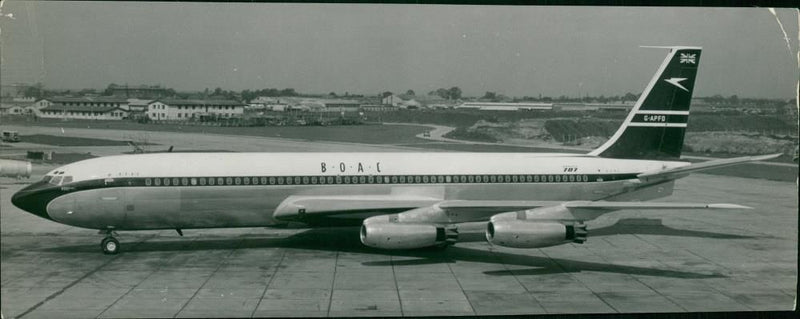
{"x": 656, "y": 125}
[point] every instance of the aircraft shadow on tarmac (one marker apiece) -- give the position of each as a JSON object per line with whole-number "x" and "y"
{"x": 655, "y": 226}
{"x": 346, "y": 239}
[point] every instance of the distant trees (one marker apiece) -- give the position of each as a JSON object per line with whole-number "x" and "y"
{"x": 35, "y": 90}
{"x": 453, "y": 93}
{"x": 489, "y": 96}
{"x": 410, "y": 92}
{"x": 629, "y": 97}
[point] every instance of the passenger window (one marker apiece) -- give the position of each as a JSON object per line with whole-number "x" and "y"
{"x": 272, "y": 180}
{"x": 507, "y": 178}
{"x": 402, "y": 179}
{"x": 386, "y": 179}
{"x": 528, "y": 178}
{"x": 305, "y": 180}
{"x": 147, "y": 182}
{"x": 514, "y": 178}
{"x": 330, "y": 180}
{"x": 535, "y": 178}
{"x": 550, "y": 178}
{"x": 185, "y": 181}
{"x": 237, "y": 180}
{"x": 202, "y": 181}
{"x": 564, "y": 178}
{"x": 210, "y": 181}
{"x": 371, "y": 179}
{"x": 280, "y": 180}
{"x": 558, "y": 178}
{"x": 572, "y": 178}
{"x": 220, "y": 181}
{"x": 246, "y": 180}
{"x": 362, "y": 179}
{"x": 264, "y": 181}
{"x": 157, "y": 181}
{"x": 297, "y": 180}
{"x": 338, "y": 180}
{"x": 585, "y": 178}
{"x": 394, "y": 179}
{"x": 288, "y": 181}
{"x": 255, "y": 180}
{"x": 425, "y": 179}
{"x": 194, "y": 181}
{"x": 166, "y": 182}
{"x": 347, "y": 179}
{"x": 313, "y": 179}
{"x": 493, "y": 178}
{"x": 471, "y": 178}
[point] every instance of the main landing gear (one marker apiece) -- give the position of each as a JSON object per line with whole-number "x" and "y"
{"x": 109, "y": 244}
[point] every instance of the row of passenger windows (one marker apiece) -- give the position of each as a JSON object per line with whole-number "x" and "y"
{"x": 402, "y": 179}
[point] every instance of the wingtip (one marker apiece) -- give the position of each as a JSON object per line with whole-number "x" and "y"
{"x": 728, "y": 206}
{"x": 766, "y": 157}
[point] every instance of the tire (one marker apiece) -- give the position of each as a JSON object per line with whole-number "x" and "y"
{"x": 110, "y": 246}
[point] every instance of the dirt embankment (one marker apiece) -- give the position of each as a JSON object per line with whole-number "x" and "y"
{"x": 739, "y": 143}
{"x": 591, "y": 133}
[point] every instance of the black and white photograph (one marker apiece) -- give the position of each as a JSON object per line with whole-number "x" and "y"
{"x": 218, "y": 160}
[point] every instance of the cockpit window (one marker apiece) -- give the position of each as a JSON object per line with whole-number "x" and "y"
{"x": 56, "y": 180}
{"x": 47, "y": 178}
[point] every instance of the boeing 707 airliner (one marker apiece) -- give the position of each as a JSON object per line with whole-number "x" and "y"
{"x": 401, "y": 200}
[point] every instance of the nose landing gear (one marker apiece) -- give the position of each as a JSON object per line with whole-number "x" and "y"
{"x": 109, "y": 244}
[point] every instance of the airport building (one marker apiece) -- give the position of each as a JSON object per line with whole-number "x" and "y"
{"x": 100, "y": 102}
{"x": 62, "y": 111}
{"x": 12, "y": 109}
{"x": 184, "y": 110}
{"x": 593, "y": 107}
{"x": 494, "y": 106}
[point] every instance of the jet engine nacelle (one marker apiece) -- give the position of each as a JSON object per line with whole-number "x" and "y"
{"x": 391, "y": 235}
{"x": 533, "y": 234}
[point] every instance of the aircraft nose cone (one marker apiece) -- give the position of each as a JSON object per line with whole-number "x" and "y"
{"x": 29, "y": 200}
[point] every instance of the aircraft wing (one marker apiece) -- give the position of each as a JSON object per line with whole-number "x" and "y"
{"x": 432, "y": 210}
{"x": 673, "y": 173}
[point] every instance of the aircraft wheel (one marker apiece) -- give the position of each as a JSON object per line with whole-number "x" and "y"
{"x": 110, "y": 246}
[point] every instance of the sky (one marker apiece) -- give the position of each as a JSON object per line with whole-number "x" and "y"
{"x": 368, "y": 49}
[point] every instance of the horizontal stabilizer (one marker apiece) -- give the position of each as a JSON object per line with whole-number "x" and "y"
{"x": 673, "y": 173}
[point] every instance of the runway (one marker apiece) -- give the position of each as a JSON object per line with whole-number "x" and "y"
{"x": 633, "y": 261}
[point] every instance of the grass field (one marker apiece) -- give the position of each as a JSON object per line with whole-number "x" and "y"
{"x": 69, "y": 141}
{"x": 368, "y": 134}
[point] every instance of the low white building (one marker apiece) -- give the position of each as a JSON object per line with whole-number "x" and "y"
{"x": 184, "y": 110}
{"x": 11, "y": 109}
{"x": 495, "y": 106}
{"x": 60, "y": 111}
{"x": 83, "y": 102}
